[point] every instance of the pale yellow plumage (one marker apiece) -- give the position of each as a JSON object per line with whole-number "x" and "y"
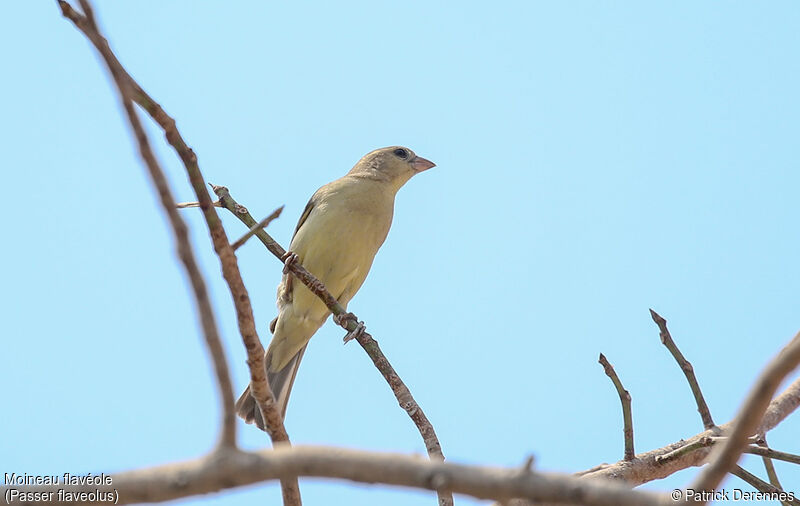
{"x": 341, "y": 230}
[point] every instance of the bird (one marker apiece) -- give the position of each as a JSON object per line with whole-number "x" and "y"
{"x": 336, "y": 239}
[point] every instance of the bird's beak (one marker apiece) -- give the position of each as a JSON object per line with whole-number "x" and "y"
{"x": 419, "y": 164}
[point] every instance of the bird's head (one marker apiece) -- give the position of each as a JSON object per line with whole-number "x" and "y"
{"x": 394, "y": 165}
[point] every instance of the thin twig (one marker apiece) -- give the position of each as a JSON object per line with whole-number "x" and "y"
{"x": 186, "y": 205}
{"x": 702, "y": 442}
{"x": 769, "y": 453}
{"x": 764, "y": 487}
{"x": 625, "y": 399}
{"x": 527, "y": 465}
{"x": 769, "y": 466}
{"x": 370, "y": 346}
{"x": 130, "y": 90}
{"x": 184, "y": 248}
{"x": 749, "y": 416}
{"x": 756, "y": 448}
{"x": 686, "y": 367}
{"x": 772, "y": 474}
{"x": 260, "y": 225}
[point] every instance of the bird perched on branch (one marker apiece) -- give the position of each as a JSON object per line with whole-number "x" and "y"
{"x": 336, "y": 239}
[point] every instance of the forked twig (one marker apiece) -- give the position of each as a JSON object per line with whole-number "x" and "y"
{"x": 255, "y": 228}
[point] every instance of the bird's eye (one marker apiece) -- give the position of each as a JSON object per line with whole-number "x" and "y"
{"x": 401, "y": 153}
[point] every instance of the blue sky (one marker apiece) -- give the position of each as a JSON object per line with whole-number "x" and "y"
{"x": 595, "y": 159}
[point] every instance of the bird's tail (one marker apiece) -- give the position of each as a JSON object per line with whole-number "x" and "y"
{"x": 280, "y": 382}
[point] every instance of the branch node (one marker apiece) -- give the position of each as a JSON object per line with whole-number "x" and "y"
{"x": 439, "y": 481}
{"x": 683, "y": 450}
{"x": 255, "y": 228}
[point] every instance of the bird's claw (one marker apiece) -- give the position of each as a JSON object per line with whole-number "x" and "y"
{"x": 343, "y": 320}
{"x": 358, "y": 332}
{"x": 289, "y": 258}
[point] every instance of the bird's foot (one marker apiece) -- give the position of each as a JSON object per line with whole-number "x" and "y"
{"x": 344, "y": 319}
{"x": 289, "y": 259}
{"x": 358, "y": 332}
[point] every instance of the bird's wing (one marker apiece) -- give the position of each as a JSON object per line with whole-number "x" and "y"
{"x": 306, "y": 212}
{"x": 286, "y": 288}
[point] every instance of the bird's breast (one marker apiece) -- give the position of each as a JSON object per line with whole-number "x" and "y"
{"x": 341, "y": 236}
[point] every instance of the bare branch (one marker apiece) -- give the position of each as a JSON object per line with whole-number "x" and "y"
{"x": 350, "y": 323}
{"x": 625, "y": 399}
{"x": 781, "y": 407}
{"x": 706, "y": 441}
{"x": 662, "y": 462}
{"x": 260, "y": 225}
{"x": 130, "y": 90}
{"x": 749, "y": 417}
{"x": 686, "y": 367}
{"x": 184, "y": 248}
{"x": 241, "y": 212}
{"x": 651, "y": 465}
{"x": 235, "y": 468}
